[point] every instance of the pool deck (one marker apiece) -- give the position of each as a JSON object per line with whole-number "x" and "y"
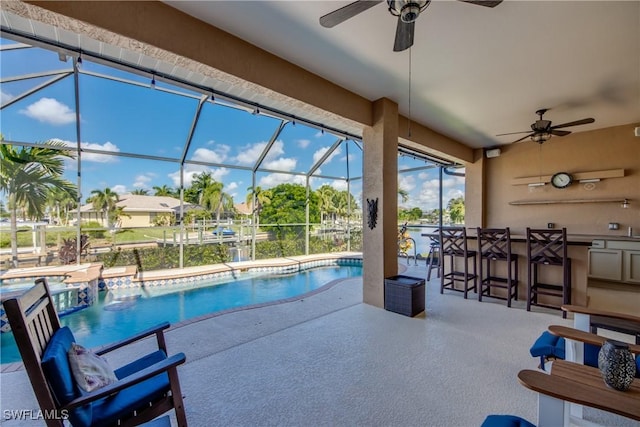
{"x": 327, "y": 359}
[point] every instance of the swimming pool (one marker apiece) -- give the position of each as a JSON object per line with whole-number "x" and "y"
{"x": 118, "y": 315}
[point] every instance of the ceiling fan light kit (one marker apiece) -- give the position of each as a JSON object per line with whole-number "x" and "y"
{"x": 407, "y": 12}
{"x": 542, "y": 129}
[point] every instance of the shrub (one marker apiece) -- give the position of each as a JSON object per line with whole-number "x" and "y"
{"x": 93, "y": 229}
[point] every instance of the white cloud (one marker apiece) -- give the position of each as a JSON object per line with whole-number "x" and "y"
{"x": 49, "y": 110}
{"x": 120, "y": 189}
{"x": 303, "y": 143}
{"x": 209, "y": 156}
{"x": 282, "y": 164}
{"x": 250, "y": 152}
{"x": 406, "y": 182}
{"x": 92, "y": 157}
{"x": 5, "y": 97}
{"x": 143, "y": 180}
{"x": 100, "y": 158}
{"x": 319, "y": 153}
{"x": 274, "y": 179}
{"x": 190, "y": 171}
{"x": 231, "y": 186}
{"x": 339, "y": 185}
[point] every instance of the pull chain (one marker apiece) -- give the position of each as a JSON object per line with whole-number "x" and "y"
{"x": 409, "y": 118}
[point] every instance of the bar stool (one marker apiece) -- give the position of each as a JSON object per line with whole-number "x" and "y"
{"x": 494, "y": 245}
{"x": 547, "y": 247}
{"x": 453, "y": 244}
{"x": 433, "y": 258}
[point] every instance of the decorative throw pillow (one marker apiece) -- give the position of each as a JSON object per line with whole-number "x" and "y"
{"x": 90, "y": 371}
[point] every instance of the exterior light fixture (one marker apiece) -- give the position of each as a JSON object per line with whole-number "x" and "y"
{"x": 537, "y": 184}
{"x": 625, "y": 204}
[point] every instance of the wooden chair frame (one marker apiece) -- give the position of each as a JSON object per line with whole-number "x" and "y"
{"x": 547, "y": 247}
{"x": 34, "y": 321}
{"x": 494, "y": 245}
{"x": 454, "y": 244}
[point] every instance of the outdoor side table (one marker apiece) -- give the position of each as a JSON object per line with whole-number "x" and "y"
{"x": 404, "y": 295}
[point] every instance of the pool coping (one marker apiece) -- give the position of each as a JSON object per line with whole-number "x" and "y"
{"x": 239, "y": 266}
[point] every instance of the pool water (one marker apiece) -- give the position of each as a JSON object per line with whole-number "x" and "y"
{"x": 116, "y": 316}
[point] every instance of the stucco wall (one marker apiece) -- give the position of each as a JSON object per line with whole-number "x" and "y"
{"x": 612, "y": 148}
{"x": 605, "y": 149}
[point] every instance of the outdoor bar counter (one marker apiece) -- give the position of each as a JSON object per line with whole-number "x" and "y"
{"x": 605, "y": 269}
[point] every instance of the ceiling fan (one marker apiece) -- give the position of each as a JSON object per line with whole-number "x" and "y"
{"x": 407, "y": 12}
{"x": 542, "y": 129}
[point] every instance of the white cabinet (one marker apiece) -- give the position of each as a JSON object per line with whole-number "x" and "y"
{"x": 606, "y": 264}
{"x": 631, "y": 266}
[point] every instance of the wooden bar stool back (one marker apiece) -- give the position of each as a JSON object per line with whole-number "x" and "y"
{"x": 494, "y": 245}
{"x": 547, "y": 247}
{"x": 453, "y": 244}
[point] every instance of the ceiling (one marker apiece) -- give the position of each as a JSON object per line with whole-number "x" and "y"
{"x": 475, "y": 71}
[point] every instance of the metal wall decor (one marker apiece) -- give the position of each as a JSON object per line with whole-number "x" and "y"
{"x": 372, "y": 213}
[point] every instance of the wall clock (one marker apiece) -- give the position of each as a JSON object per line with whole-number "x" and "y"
{"x": 561, "y": 180}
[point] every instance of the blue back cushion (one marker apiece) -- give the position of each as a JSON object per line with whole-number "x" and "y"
{"x": 544, "y": 345}
{"x": 638, "y": 366}
{"x": 55, "y": 365}
{"x": 505, "y": 421}
{"x": 591, "y": 355}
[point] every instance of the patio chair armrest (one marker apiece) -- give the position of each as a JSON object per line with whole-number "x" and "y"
{"x": 142, "y": 375}
{"x": 585, "y": 337}
{"x": 157, "y": 330}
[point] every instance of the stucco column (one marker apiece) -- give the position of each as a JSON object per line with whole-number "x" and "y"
{"x": 380, "y": 158}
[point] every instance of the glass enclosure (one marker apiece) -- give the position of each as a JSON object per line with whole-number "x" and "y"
{"x": 181, "y": 175}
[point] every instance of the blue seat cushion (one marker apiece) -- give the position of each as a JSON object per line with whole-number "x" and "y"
{"x": 545, "y": 345}
{"x": 591, "y": 355}
{"x": 107, "y": 411}
{"x": 55, "y": 365}
{"x": 505, "y": 421}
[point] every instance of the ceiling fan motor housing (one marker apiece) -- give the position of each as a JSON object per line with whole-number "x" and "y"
{"x": 541, "y": 125}
{"x": 407, "y": 10}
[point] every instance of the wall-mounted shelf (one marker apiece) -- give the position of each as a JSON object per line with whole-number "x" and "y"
{"x": 577, "y": 176}
{"x": 556, "y": 202}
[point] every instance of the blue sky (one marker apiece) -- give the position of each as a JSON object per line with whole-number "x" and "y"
{"x": 137, "y": 118}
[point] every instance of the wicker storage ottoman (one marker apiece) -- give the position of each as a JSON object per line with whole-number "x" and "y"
{"x": 404, "y": 295}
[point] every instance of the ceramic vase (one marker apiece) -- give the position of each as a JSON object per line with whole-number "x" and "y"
{"x": 616, "y": 364}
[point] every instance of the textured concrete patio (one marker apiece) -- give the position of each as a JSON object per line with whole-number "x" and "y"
{"x": 328, "y": 359}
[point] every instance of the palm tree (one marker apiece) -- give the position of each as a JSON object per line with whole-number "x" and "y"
{"x": 325, "y": 194}
{"x": 404, "y": 195}
{"x": 116, "y": 215}
{"x": 164, "y": 190}
{"x": 194, "y": 193}
{"x": 259, "y": 197}
{"x": 61, "y": 203}
{"x": 140, "y": 192}
{"x": 213, "y": 198}
{"x": 256, "y": 199}
{"x": 104, "y": 201}
{"x": 27, "y": 175}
